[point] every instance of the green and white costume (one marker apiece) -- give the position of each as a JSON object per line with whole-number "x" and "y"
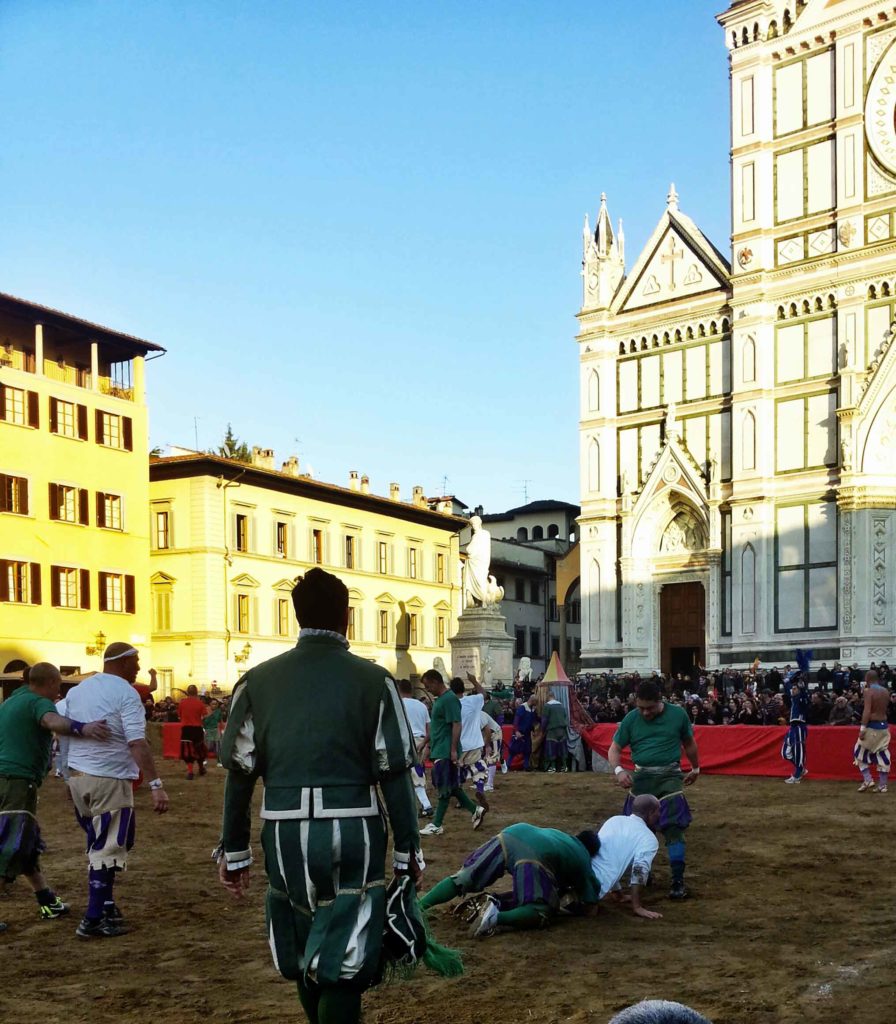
{"x": 327, "y": 733}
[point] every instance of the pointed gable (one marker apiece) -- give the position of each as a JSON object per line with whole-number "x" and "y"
{"x": 678, "y": 261}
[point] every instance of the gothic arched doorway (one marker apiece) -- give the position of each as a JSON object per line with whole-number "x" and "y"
{"x": 682, "y": 628}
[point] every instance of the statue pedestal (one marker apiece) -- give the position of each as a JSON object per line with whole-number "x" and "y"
{"x": 482, "y": 646}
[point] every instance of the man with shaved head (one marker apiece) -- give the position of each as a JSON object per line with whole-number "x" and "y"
{"x": 100, "y": 779}
{"x": 546, "y": 865}
{"x": 27, "y": 723}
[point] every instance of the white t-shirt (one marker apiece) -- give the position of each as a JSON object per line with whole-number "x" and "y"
{"x": 625, "y": 842}
{"x": 418, "y": 716}
{"x": 470, "y": 722}
{"x": 112, "y": 698}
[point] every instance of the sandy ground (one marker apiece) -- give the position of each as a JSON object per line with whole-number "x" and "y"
{"x": 792, "y": 919}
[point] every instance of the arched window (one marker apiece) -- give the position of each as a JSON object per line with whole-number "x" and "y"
{"x": 749, "y": 441}
{"x": 594, "y": 596}
{"x": 748, "y": 590}
{"x": 594, "y": 465}
{"x": 522, "y": 533}
{"x": 537, "y": 533}
{"x": 749, "y": 360}
{"x": 553, "y": 531}
{"x": 593, "y": 391}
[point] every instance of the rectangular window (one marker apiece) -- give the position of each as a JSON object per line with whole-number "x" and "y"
{"x": 440, "y": 631}
{"x": 413, "y": 629}
{"x": 552, "y": 610}
{"x": 535, "y": 592}
{"x": 283, "y": 540}
{"x": 64, "y": 586}
{"x": 242, "y": 532}
{"x": 440, "y": 568}
{"x": 519, "y": 641}
{"x": 13, "y": 494}
{"x": 351, "y": 632}
{"x": 384, "y": 626}
{"x": 282, "y": 616}
{"x": 108, "y": 429}
{"x": 19, "y": 582}
{"x": 382, "y": 557}
{"x": 412, "y": 563}
{"x": 806, "y": 430}
{"x": 108, "y": 511}
{"x": 349, "y": 552}
{"x": 725, "y": 570}
{"x": 242, "y": 613}
{"x": 748, "y": 192}
{"x": 63, "y": 503}
{"x": 746, "y": 106}
{"x": 535, "y": 643}
{"x": 789, "y": 110}
{"x": 161, "y": 608}
{"x": 519, "y": 590}
{"x": 806, "y": 567}
{"x": 19, "y": 406}
{"x": 162, "y": 530}
{"x": 116, "y": 592}
{"x": 63, "y": 418}
{"x": 317, "y": 547}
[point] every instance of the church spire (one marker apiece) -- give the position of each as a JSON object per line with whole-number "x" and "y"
{"x": 672, "y": 199}
{"x": 603, "y": 262}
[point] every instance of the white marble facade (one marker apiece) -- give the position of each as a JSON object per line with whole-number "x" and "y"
{"x": 738, "y": 417}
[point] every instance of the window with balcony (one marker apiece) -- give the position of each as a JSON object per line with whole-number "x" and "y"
{"x": 19, "y": 582}
{"x": 13, "y": 494}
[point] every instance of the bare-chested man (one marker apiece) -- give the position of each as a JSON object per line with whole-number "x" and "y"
{"x": 874, "y": 736}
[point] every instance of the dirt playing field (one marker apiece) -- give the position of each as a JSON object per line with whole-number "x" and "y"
{"x": 792, "y": 919}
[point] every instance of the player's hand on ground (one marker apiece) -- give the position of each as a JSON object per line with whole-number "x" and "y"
{"x": 624, "y": 780}
{"x": 235, "y": 882}
{"x": 650, "y": 915}
{"x": 159, "y": 801}
{"x": 96, "y": 730}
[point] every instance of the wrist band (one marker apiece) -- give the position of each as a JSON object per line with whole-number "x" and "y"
{"x": 77, "y": 728}
{"x": 618, "y": 769}
{"x": 156, "y": 784}
{"x": 695, "y": 771}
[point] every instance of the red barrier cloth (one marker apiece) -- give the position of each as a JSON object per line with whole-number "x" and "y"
{"x": 756, "y": 749}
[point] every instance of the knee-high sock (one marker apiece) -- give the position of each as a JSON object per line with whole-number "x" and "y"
{"x": 882, "y": 778}
{"x": 866, "y": 773}
{"x": 676, "y": 859}
{"x": 422, "y": 797}
{"x": 442, "y": 892}
{"x": 529, "y": 915}
{"x": 98, "y": 891}
{"x": 492, "y": 769}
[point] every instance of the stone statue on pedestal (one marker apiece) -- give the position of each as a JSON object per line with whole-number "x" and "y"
{"x": 480, "y": 589}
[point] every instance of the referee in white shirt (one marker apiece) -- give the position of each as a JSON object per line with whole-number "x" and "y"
{"x": 628, "y": 843}
{"x": 100, "y": 777}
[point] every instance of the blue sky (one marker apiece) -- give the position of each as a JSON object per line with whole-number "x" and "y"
{"x": 356, "y": 227}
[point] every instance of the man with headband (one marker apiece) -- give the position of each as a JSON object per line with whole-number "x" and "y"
{"x": 100, "y": 777}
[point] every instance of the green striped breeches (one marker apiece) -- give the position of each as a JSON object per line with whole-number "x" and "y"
{"x": 326, "y": 898}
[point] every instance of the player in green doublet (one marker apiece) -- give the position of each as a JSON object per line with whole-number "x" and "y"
{"x": 657, "y": 732}
{"x": 326, "y": 731}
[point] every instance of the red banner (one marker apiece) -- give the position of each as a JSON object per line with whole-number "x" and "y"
{"x": 756, "y": 749}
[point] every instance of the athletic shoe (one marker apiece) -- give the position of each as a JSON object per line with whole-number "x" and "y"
{"x": 478, "y": 815}
{"x": 488, "y": 789}
{"x": 487, "y": 922}
{"x": 50, "y": 911}
{"x": 867, "y": 787}
{"x": 678, "y": 891}
{"x": 792, "y": 781}
{"x": 112, "y": 914}
{"x": 100, "y": 929}
{"x": 426, "y": 812}
{"x": 881, "y": 789}
{"x": 552, "y": 771}
{"x": 432, "y": 829}
{"x": 504, "y": 768}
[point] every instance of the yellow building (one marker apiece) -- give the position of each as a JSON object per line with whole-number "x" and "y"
{"x": 230, "y": 538}
{"x": 74, "y": 487}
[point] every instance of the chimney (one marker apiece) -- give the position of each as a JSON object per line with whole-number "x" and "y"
{"x": 263, "y": 457}
{"x": 417, "y": 497}
{"x": 291, "y": 466}
{"x": 353, "y": 483}
{"x": 395, "y": 492}
{"x": 365, "y": 485}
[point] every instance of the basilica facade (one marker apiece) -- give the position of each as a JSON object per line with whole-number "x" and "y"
{"x": 738, "y": 414}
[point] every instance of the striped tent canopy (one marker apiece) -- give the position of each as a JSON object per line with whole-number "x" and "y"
{"x": 557, "y": 681}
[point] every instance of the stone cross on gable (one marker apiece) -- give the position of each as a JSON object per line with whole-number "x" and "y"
{"x": 670, "y": 258}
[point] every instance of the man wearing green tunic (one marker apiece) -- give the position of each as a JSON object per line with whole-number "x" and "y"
{"x": 657, "y": 732}
{"x": 554, "y": 726}
{"x": 323, "y": 729}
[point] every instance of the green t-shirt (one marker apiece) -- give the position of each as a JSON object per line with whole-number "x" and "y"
{"x": 24, "y": 744}
{"x": 563, "y": 855}
{"x": 445, "y": 712}
{"x": 658, "y": 741}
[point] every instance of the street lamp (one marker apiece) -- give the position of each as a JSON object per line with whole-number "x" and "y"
{"x": 98, "y": 645}
{"x": 241, "y": 657}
